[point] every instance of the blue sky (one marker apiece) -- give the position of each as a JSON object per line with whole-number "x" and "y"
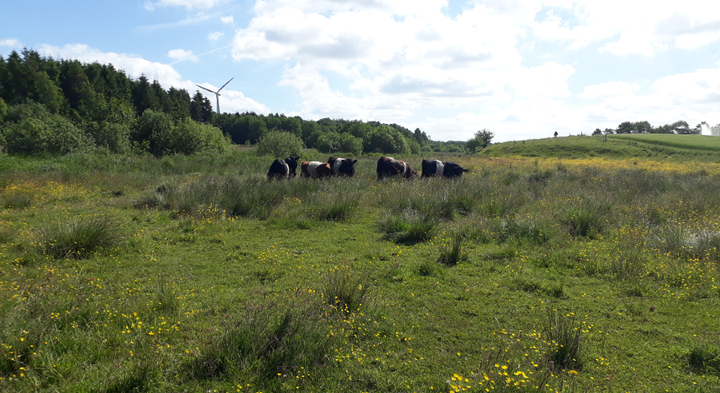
{"x": 521, "y": 68}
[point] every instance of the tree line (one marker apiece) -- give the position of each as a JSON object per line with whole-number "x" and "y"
{"x": 644, "y": 127}
{"x": 63, "y": 106}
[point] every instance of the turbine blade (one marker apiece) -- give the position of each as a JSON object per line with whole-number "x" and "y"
{"x": 226, "y": 83}
{"x": 205, "y": 88}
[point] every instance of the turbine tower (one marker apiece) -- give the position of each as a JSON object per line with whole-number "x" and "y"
{"x": 217, "y": 93}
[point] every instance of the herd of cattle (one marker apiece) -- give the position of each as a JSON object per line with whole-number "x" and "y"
{"x": 336, "y": 166}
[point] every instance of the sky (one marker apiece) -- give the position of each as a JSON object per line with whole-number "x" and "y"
{"x": 520, "y": 68}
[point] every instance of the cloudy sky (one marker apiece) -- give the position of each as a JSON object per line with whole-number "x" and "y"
{"x": 521, "y": 68}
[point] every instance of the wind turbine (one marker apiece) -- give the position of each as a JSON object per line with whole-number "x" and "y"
{"x": 217, "y": 93}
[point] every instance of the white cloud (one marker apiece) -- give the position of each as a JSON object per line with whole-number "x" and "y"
{"x": 228, "y": 20}
{"x": 214, "y": 36}
{"x": 641, "y": 27}
{"x": 134, "y": 67}
{"x": 422, "y": 57}
{"x": 11, "y": 42}
{"x": 181, "y": 55}
{"x": 609, "y": 89}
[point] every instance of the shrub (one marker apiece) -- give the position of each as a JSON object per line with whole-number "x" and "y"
{"x": 112, "y": 136}
{"x": 54, "y": 134}
{"x": 190, "y": 137}
{"x": 279, "y": 144}
{"x": 79, "y": 237}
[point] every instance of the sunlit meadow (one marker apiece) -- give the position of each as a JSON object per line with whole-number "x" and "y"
{"x": 123, "y": 274}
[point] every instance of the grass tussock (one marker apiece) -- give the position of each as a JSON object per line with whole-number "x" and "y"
{"x": 566, "y": 335}
{"x": 345, "y": 292}
{"x": 79, "y": 237}
{"x": 261, "y": 345}
{"x": 408, "y": 227}
{"x": 451, "y": 252}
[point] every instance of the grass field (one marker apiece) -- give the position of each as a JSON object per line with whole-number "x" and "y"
{"x": 652, "y": 146}
{"x": 124, "y": 274}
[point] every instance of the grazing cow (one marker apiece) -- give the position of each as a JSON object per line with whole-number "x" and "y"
{"x": 388, "y": 167}
{"x": 283, "y": 169}
{"x": 342, "y": 166}
{"x": 315, "y": 169}
{"x": 441, "y": 168}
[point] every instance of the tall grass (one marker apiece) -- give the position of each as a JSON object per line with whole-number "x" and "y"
{"x": 562, "y": 330}
{"x": 79, "y": 237}
{"x": 345, "y": 292}
{"x": 451, "y": 252}
{"x": 261, "y": 344}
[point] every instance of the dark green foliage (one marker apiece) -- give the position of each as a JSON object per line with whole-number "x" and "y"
{"x": 37, "y": 131}
{"x": 79, "y": 238}
{"x": 386, "y": 140}
{"x": 481, "y": 140}
{"x": 704, "y": 359}
{"x": 200, "y": 108}
{"x": 279, "y": 144}
{"x": 332, "y": 142}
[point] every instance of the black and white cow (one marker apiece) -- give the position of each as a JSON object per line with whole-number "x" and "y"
{"x": 342, "y": 166}
{"x": 441, "y": 168}
{"x": 389, "y": 167}
{"x": 283, "y": 169}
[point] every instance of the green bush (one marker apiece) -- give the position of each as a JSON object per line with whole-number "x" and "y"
{"x": 279, "y": 144}
{"x": 52, "y": 134}
{"x": 112, "y": 136}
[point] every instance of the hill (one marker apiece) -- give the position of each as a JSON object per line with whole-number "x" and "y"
{"x": 655, "y": 146}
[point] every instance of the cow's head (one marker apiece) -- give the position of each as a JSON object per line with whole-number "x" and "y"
{"x": 410, "y": 172}
{"x": 453, "y": 170}
{"x": 292, "y": 164}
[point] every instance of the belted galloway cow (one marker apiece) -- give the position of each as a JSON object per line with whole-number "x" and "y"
{"x": 441, "y": 168}
{"x": 280, "y": 169}
{"x": 342, "y": 166}
{"x": 315, "y": 169}
{"x": 389, "y": 167}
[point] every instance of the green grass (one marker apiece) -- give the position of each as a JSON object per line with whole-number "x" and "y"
{"x": 196, "y": 274}
{"x": 658, "y": 146}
